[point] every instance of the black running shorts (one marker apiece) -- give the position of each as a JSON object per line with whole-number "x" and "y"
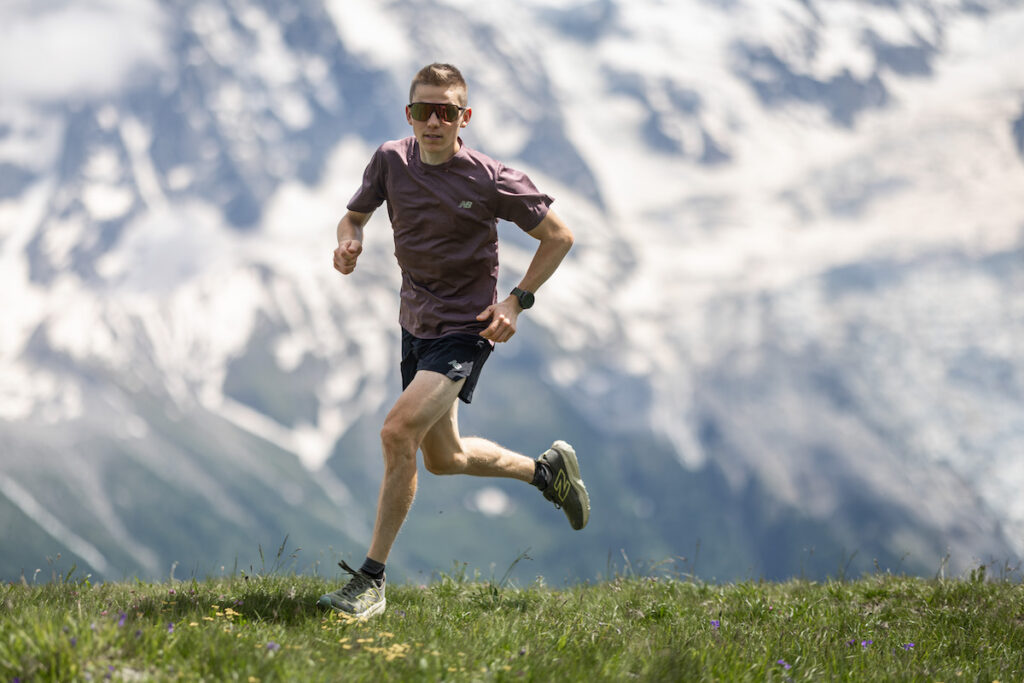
{"x": 457, "y": 356}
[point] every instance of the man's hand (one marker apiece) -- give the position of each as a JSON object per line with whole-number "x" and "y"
{"x": 503, "y": 316}
{"x": 346, "y": 254}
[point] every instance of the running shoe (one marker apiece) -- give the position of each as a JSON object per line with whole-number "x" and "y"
{"x": 566, "y": 489}
{"x": 362, "y": 597}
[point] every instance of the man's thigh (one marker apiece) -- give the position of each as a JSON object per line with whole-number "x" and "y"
{"x": 442, "y": 441}
{"x": 428, "y": 398}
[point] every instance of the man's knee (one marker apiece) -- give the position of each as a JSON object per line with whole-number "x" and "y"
{"x": 398, "y": 443}
{"x": 441, "y": 466}
{"x": 442, "y": 461}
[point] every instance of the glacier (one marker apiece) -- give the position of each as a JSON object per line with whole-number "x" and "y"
{"x": 791, "y": 331}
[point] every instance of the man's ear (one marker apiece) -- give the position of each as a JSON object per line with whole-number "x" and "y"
{"x": 408, "y": 115}
{"x": 465, "y": 117}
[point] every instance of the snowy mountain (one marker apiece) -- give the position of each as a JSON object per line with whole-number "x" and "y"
{"x": 790, "y": 338}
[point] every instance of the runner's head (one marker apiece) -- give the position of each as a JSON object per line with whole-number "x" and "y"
{"x": 444, "y": 75}
{"x": 437, "y": 111}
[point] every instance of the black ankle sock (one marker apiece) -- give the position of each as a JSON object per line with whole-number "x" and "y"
{"x": 541, "y": 474}
{"x": 373, "y": 569}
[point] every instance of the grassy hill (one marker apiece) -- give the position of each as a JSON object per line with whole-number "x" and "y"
{"x": 264, "y": 628}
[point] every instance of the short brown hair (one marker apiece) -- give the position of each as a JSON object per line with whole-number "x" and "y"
{"x": 440, "y": 74}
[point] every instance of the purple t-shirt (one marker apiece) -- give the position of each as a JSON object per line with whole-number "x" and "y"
{"x": 445, "y": 223}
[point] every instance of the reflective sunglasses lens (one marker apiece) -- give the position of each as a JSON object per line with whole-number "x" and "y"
{"x": 449, "y": 112}
{"x": 421, "y": 111}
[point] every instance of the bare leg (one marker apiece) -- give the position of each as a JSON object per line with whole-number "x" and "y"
{"x": 446, "y": 452}
{"x": 427, "y": 399}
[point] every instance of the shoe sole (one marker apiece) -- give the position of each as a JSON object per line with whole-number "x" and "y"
{"x": 371, "y": 611}
{"x": 572, "y": 467}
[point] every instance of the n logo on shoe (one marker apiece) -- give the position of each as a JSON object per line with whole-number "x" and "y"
{"x": 561, "y": 486}
{"x": 368, "y": 598}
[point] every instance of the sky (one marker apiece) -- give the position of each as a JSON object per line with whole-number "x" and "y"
{"x": 91, "y": 48}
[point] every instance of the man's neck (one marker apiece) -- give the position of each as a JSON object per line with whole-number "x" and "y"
{"x": 440, "y": 158}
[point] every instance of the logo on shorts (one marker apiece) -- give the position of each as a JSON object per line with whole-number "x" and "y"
{"x": 466, "y": 204}
{"x": 456, "y": 365}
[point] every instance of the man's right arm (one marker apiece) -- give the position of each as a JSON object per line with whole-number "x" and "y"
{"x": 350, "y": 241}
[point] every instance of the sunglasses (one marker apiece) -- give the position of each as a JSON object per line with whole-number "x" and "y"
{"x": 421, "y": 111}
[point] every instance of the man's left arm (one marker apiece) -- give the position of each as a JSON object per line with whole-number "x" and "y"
{"x": 555, "y": 239}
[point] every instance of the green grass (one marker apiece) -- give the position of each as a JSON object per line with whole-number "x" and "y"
{"x": 265, "y": 628}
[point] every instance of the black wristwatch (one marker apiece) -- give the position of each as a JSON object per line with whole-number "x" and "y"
{"x": 525, "y": 298}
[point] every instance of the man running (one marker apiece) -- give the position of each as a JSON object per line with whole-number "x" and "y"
{"x": 444, "y": 201}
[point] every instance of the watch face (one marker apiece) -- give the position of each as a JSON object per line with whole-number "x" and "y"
{"x": 525, "y": 298}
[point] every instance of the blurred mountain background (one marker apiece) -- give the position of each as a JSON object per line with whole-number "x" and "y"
{"x": 789, "y": 340}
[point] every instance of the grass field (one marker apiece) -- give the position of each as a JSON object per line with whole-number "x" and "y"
{"x": 265, "y": 628}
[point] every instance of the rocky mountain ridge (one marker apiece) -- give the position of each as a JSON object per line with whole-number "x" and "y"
{"x": 790, "y": 333}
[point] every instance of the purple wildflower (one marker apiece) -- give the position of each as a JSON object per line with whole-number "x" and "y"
{"x": 864, "y": 643}
{"x": 784, "y": 664}
{"x": 715, "y": 623}
{"x": 273, "y": 647}
{"x": 120, "y": 621}
{"x": 74, "y": 641}
{"x": 170, "y": 627}
{"x": 908, "y": 646}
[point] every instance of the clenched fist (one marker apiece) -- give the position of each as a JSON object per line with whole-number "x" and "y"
{"x": 346, "y": 254}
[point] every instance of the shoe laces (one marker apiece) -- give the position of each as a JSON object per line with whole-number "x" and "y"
{"x": 359, "y": 583}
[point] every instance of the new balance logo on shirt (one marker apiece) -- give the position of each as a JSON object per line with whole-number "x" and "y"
{"x": 466, "y": 205}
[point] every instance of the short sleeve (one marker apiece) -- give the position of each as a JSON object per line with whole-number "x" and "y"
{"x": 372, "y": 193}
{"x": 519, "y": 200}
